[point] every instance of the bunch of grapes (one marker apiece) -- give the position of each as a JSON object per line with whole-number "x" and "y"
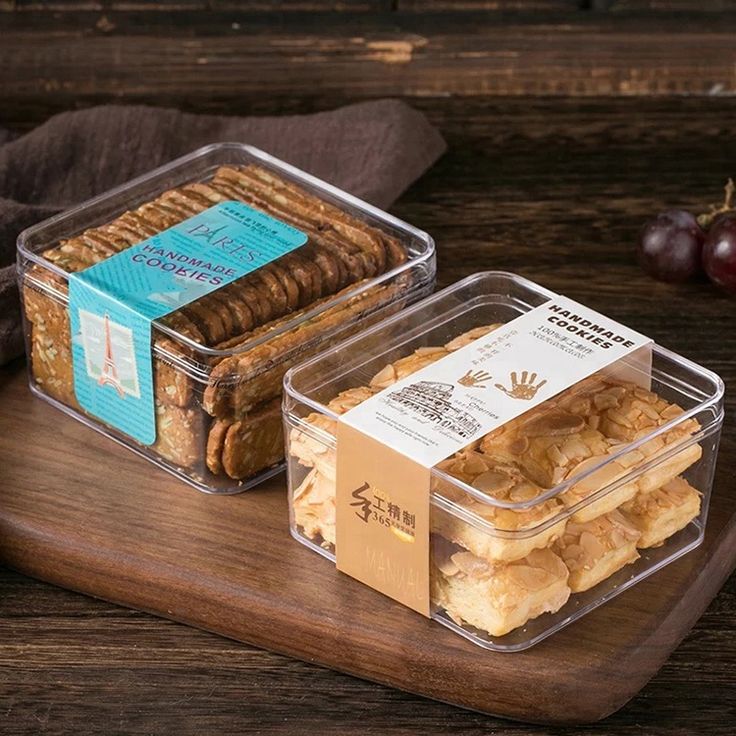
{"x": 675, "y": 246}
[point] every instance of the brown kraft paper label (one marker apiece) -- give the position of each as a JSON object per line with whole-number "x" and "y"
{"x": 382, "y": 521}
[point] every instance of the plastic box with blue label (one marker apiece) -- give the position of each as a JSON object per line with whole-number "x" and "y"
{"x": 165, "y": 313}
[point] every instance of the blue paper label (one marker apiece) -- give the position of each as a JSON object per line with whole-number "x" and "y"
{"x": 112, "y": 304}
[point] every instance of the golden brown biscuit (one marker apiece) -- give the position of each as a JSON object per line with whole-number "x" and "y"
{"x": 313, "y": 506}
{"x": 179, "y": 435}
{"x": 661, "y": 513}
{"x": 533, "y": 527}
{"x": 215, "y": 440}
{"x": 393, "y": 372}
{"x": 548, "y": 444}
{"x": 240, "y": 185}
{"x": 626, "y": 412}
{"x": 470, "y": 336}
{"x": 324, "y": 214}
{"x": 315, "y": 441}
{"x": 596, "y": 549}
{"x": 254, "y": 442}
{"x": 422, "y": 357}
{"x": 491, "y": 541}
{"x": 494, "y": 567}
{"x": 241, "y": 381}
{"x": 584, "y": 427}
{"x": 499, "y": 598}
{"x": 318, "y": 270}
{"x": 304, "y": 447}
{"x": 353, "y": 265}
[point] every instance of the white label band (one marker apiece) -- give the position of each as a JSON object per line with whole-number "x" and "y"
{"x": 433, "y": 413}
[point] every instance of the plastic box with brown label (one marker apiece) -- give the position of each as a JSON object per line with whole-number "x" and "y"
{"x": 547, "y": 516}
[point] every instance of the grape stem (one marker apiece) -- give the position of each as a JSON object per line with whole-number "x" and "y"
{"x": 705, "y": 220}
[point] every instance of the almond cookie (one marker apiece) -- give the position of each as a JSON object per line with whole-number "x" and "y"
{"x": 101, "y": 244}
{"x": 179, "y": 435}
{"x": 356, "y": 262}
{"x": 254, "y": 443}
{"x": 310, "y": 445}
{"x": 50, "y": 347}
{"x": 314, "y": 272}
{"x": 301, "y": 272}
{"x": 422, "y": 357}
{"x": 626, "y": 412}
{"x": 134, "y": 221}
{"x": 496, "y": 598}
{"x": 351, "y": 258}
{"x": 326, "y": 216}
{"x": 241, "y": 381}
{"x": 661, "y": 513}
{"x": 471, "y": 336}
{"x": 313, "y": 506}
{"x": 596, "y": 549}
{"x": 237, "y": 313}
{"x": 276, "y": 293}
{"x": 256, "y": 300}
{"x": 68, "y": 261}
{"x": 332, "y": 259}
{"x": 536, "y": 526}
{"x": 288, "y": 284}
{"x": 215, "y": 440}
{"x": 551, "y": 445}
{"x": 157, "y": 216}
{"x": 393, "y": 372}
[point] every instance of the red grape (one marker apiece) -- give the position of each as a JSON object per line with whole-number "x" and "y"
{"x": 670, "y": 246}
{"x": 719, "y": 252}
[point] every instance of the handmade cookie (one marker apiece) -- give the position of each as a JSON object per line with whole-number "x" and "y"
{"x": 496, "y": 598}
{"x": 242, "y": 380}
{"x": 254, "y": 442}
{"x": 333, "y": 216}
{"x": 354, "y": 263}
{"x": 661, "y": 513}
{"x": 179, "y": 435}
{"x": 535, "y": 526}
{"x": 313, "y": 507}
{"x": 594, "y": 550}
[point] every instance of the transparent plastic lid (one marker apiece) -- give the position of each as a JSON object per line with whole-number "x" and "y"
{"x": 573, "y": 454}
{"x": 352, "y": 250}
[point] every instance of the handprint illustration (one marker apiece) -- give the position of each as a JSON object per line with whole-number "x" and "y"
{"x": 524, "y": 388}
{"x": 474, "y": 379}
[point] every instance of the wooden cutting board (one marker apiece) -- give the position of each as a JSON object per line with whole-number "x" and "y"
{"x": 79, "y": 511}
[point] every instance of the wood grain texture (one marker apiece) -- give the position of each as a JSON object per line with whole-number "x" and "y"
{"x": 555, "y": 190}
{"x": 342, "y": 6}
{"x": 75, "y": 665}
{"x": 80, "y": 56}
{"x": 120, "y": 530}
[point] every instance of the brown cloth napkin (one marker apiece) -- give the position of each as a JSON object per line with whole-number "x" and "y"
{"x": 374, "y": 150}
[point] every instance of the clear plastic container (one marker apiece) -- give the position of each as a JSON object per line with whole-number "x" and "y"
{"x": 218, "y": 369}
{"x": 551, "y": 515}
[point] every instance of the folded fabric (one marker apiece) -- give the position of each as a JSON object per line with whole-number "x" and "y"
{"x": 374, "y": 150}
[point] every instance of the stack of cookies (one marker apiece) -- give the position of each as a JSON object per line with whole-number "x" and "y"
{"x": 494, "y": 567}
{"x": 219, "y": 414}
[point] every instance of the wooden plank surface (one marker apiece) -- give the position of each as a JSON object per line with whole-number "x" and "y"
{"x": 121, "y": 530}
{"x": 555, "y": 190}
{"x": 80, "y": 56}
{"x": 76, "y": 665}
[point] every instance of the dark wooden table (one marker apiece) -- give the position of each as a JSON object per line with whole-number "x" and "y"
{"x": 552, "y": 188}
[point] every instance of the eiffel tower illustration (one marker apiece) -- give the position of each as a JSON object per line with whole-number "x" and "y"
{"x": 109, "y": 373}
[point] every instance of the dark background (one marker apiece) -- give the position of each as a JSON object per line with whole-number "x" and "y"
{"x": 569, "y": 123}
